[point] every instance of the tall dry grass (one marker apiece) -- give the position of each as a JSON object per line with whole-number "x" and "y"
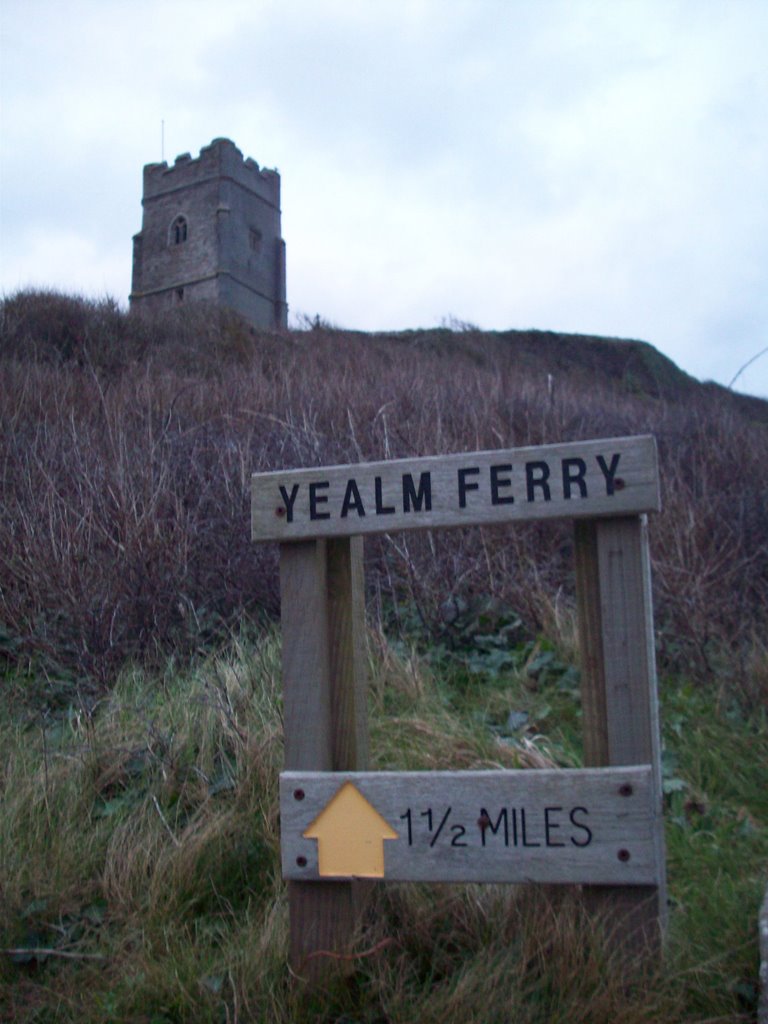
{"x": 127, "y": 449}
{"x": 140, "y": 875}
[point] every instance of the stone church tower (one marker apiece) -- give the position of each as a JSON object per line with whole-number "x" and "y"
{"x": 211, "y": 231}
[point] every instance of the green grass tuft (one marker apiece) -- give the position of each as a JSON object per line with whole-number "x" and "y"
{"x": 139, "y": 853}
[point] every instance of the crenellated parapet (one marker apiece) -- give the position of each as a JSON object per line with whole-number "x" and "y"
{"x": 220, "y": 160}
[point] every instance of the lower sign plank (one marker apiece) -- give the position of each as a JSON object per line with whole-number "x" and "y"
{"x": 591, "y": 826}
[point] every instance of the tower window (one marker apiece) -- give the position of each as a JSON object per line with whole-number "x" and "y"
{"x": 179, "y": 231}
{"x": 254, "y": 237}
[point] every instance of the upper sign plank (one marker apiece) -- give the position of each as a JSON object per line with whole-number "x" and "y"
{"x": 613, "y": 477}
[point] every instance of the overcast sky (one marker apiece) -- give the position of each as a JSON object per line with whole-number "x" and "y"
{"x": 596, "y": 166}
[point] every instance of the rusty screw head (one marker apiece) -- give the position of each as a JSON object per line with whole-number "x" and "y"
{"x": 626, "y": 789}
{"x": 298, "y": 794}
{"x": 623, "y": 856}
{"x": 619, "y": 483}
{"x": 280, "y": 511}
{"x": 301, "y": 861}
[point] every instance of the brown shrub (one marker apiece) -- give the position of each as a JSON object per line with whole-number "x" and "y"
{"x": 128, "y": 445}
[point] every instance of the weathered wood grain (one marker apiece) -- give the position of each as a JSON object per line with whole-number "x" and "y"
{"x": 325, "y": 721}
{"x": 305, "y": 654}
{"x": 346, "y": 643}
{"x": 349, "y": 692}
{"x": 619, "y": 694}
{"x": 581, "y": 826}
{"x": 610, "y": 477}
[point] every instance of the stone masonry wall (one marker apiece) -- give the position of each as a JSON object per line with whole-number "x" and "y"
{"x": 232, "y": 251}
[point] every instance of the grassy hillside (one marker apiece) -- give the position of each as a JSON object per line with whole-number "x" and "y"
{"x": 140, "y": 721}
{"x": 139, "y": 865}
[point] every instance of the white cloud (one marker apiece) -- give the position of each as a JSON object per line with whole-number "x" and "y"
{"x": 64, "y": 260}
{"x": 592, "y": 167}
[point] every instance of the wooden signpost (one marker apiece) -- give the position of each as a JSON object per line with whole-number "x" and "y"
{"x": 599, "y": 826}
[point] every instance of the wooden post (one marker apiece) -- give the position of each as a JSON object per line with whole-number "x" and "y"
{"x": 325, "y": 724}
{"x": 347, "y": 654}
{"x": 619, "y": 695}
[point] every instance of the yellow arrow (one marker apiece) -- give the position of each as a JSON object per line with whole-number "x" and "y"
{"x": 350, "y": 836}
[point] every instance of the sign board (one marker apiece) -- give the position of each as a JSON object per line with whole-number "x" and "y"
{"x": 599, "y": 827}
{"x": 593, "y": 826}
{"x": 585, "y": 479}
